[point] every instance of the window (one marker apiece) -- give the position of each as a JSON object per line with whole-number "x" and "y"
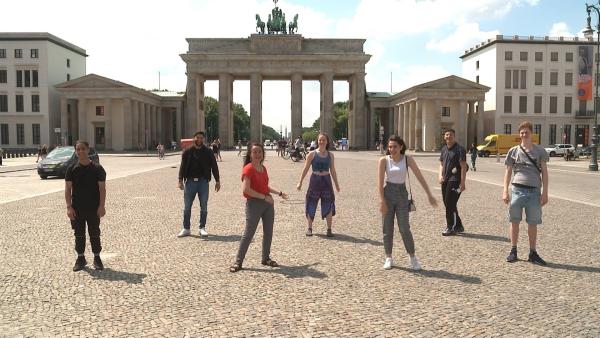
{"x": 19, "y": 103}
{"x": 508, "y": 56}
{"x": 35, "y": 103}
{"x": 477, "y": 79}
{"x": 554, "y": 78}
{"x": 99, "y": 110}
{"x": 445, "y": 111}
{"x": 35, "y": 132}
{"x": 34, "y": 78}
{"x": 537, "y": 129}
{"x": 538, "y": 78}
{"x": 552, "y": 134}
{"x": 539, "y": 56}
{"x": 507, "y": 128}
{"x": 18, "y": 53}
{"x": 582, "y": 106}
{"x": 537, "y": 105}
{"x": 523, "y": 104}
{"x": 507, "y": 79}
{"x": 523, "y": 56}
{"x": 508, "y": 104}
{"x": 568, "y": 104}
{"x": 3, "y": 103}
{"x": 569, "y": 57}
{"x": 2, "y": 53}
{"x": 553, "y": 104}
{"x": 515, "y": 79}
{"x": 34, "y": 54}
{"x": 27, "y": 78}
{"x": 4, "y": 133}
{"x": 68, "y": 63}
{"x": 567, "y": 133}
{"x": 553, "y": 56}
{"x": 523, "y": 79}
{"x": 3, "y": 76}
{"x": 19, "y": 78}
{"x": 68, "y": 77}
{"x": 20, "y": 133}
{"x": 477, "y": 64}
{"x": 568, "y": 79}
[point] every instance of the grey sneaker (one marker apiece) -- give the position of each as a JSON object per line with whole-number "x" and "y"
{"x": 184, "y": 233}
{"x": 203, "y": 232}
{"x": 414, "y": 263}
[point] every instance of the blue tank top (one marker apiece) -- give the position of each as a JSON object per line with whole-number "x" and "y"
{"x": 321, "y": 163}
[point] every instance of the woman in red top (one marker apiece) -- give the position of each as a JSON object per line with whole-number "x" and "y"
{"x": 259, "y": 204}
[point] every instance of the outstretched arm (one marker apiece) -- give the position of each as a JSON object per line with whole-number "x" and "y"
{"x": 415, "y": 169}
{"x": 334, "y": 173}
{"x": 307, "y": 164}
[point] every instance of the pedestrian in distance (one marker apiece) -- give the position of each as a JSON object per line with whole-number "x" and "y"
{"x": 215, "y": 149}
{"x": 322, "y": 162}
{"x": 452, "y": 177}
{"x": 239, "y": 146}
{"x": 259, "y": 205}
{"x": 197, "y": 164}
{"x": 85, "y": 194}
{"x": 218, "y": 142}
{"x": 529, "y": 190}
{"x": 392, "y": 178}
{"x": 473, "y": 156}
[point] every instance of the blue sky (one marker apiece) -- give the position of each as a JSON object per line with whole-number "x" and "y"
{"x": 416, "y": 40}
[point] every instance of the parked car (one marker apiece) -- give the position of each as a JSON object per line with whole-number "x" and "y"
{"x": 267, "y": 143}
{"x": 59, "y": 159}
{"x": 586, "y": 151}
{"x": 559, "y": 149}
{"x": 501, "y": 143}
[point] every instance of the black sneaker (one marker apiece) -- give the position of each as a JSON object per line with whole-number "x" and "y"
{"x": 329, "y": 233}
{"x": 448, "y": 232}
{"x": 460, "y": 229}
{"x": 79, "y": 263}
{"x": 512, "y": 256}
{"x": 98, "y": 263}
{"x": 536, "y": 259}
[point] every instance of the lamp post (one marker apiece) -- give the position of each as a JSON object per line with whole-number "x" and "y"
{"x": 589, "y": 33}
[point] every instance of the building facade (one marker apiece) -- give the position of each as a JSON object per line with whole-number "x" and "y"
{"x": 30, "y": 65}
{"x": 547, "y": 81}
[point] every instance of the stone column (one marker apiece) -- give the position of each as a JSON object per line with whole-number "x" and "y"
{"x": 437, "y": 124}
{"x": 82, "y": 117}
{"x": 395, "y": 112}
{"x": 135, "y": 125}
{"x": 296, "y": 88}
{"x": 357, "y": 120}
{"x": 429, "y": 125}
{"x": 480, "y": 121}
{"x": 327, "y": 103}
{"x": 471, "y": 123}
{"x": 64, "y": 120}
{"x": 410, "y": 142}
{"x": 255, "y": 108}
{"x": 225, "y": 117}
{"x": 405, "y": 122}
{"x": 191, "y": 108}
{"x": 142, "y": 125}
{"x": 147, "y": 140}
{"x": 418, "y": 125}
{"x": 178, "y": 134}
{"x": 400, "y": 126}
{"x": 159, "y": 125}
{"x": 459, "y": 123}
{"x": 74, "y": 122}
{"x": 108, "y": 130}
{"x": 127, "y": 124}
{"x": 200, "y": 117}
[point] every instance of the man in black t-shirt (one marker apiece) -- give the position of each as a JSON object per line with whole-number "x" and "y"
{"x": 452, "y": 177}
{"x": 85, "y": 193}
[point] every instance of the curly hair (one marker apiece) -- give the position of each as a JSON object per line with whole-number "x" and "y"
{"x": 247, "y": 158}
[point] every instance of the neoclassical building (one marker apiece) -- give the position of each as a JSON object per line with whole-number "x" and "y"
{"x": 117, "y": 116}
{"x": 421, "y": 113}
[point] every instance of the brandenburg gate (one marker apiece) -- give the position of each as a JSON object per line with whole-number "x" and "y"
{"x": 263, "y": 57}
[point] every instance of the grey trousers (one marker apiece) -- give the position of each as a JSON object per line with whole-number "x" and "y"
{"x": 255, "y": 210}
{"x": 396, "y": 198}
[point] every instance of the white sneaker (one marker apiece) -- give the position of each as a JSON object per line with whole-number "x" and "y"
{"x": 184, "y": 233}
{"x": 203, "y": 232}
{"x": 414, "y": 263}
{"x": 388, "y": 263}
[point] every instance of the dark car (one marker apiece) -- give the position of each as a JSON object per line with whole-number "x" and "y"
{"x": 586, "y": 151}
{"x": 59, "y": 159}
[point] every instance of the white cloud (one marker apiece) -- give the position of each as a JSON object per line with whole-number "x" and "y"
{"x": 465, "y": 35}
{"x": 560, "y": 29}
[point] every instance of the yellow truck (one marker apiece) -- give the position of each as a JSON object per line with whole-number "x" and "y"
{"x": 501, "y": 143}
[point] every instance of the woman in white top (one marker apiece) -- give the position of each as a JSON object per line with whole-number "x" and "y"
{"x": 393, "y": 171}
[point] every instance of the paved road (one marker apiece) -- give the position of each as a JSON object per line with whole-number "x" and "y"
{"x": 158, "y": 285}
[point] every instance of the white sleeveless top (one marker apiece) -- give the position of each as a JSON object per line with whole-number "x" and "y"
{"x": 395, "y": 171}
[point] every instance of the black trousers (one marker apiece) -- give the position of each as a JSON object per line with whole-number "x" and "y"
{"x": 92, "y": 220}
{"x": 451, "y": 196}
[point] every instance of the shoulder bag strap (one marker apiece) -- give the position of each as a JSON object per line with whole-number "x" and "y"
{"x": 529, "y": 157}
{"x": 408, "y": 177}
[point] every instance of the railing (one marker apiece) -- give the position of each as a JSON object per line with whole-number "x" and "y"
{"x": 584, "y": 114}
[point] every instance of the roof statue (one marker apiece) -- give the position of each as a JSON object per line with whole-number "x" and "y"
{"x": 276, "y": 23}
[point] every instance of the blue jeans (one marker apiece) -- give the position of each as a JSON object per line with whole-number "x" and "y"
{"x": 528, "y": 199}
{"x": 193, "y": 188}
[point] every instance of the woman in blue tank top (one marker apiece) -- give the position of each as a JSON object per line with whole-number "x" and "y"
{"x": 320, "y": 188}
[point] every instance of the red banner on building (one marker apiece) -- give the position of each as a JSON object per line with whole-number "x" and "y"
{"x": 584, "y": 79}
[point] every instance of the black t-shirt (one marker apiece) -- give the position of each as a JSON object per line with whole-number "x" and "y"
{"x": 450, "y": 159}
{"x": 85, "y": 178}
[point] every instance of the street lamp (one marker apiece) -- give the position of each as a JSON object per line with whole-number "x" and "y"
{"x": 588, "y": 32}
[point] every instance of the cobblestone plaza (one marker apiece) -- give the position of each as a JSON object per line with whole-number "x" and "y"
{"x": 156, "y": 284}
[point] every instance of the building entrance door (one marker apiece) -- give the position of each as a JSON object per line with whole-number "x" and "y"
{"x": 99, "y": 138}
{"x": 582, "y": 134}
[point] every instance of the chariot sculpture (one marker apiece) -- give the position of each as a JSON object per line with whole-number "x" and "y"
{"x": 276, "y": 23}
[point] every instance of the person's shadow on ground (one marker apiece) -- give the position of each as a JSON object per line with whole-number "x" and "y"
{"x": 219, "y": 238}
{"x": 116, "y": 276}
{"x": 484, "y": 237}
{"x": 570, "y": 267}
{"x": 300, "y": 271}
{"x": 350, "y": 239}
{"x": 443, "y": 275}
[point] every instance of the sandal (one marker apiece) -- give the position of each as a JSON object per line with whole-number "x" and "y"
{"x": 270, "y": 262}
{"x": 235, "y": 267}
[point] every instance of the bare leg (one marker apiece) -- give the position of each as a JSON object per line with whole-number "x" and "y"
{"x": 514, "y": 234}
{"x": 329, "y": 219}
{"x": 532, "y": 233}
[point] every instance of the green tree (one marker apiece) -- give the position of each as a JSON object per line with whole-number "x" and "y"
{"x": 340, "y": 123}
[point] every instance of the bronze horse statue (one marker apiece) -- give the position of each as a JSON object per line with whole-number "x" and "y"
{"x": 260, "y": 25}
{"x": 293, "y": 26}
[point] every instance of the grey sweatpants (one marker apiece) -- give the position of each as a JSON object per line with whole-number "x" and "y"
{"x": 255, "y": 210}
{"x": 396, "y": 198}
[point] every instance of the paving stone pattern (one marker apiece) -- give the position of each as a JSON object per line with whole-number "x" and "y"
{"x": 158, "y": 285}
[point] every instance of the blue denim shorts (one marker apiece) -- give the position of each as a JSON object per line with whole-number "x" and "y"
{"x": 529, "y": 199}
